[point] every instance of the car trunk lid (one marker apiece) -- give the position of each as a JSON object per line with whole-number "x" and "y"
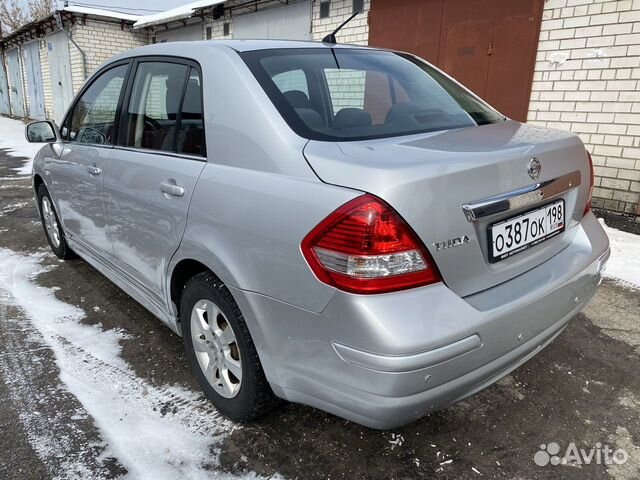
{"x": 429, "y": 178}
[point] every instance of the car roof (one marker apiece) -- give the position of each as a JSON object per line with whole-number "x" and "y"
{"x": 248, "y": 45}
{"x": 200, "y": 46}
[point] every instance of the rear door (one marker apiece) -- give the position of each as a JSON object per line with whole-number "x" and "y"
{"x": 153, "y": 170}
{"x": 89, "y": 135}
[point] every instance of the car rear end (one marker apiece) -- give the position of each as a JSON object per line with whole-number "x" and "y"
{"x": 468, "y": 246}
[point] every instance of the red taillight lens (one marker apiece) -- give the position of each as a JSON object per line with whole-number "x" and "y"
{"x": 591, "y": 183}
{"x": 366, "y": 247}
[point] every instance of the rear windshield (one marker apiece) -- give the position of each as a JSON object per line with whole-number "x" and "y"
{"x": 339, "y": 94}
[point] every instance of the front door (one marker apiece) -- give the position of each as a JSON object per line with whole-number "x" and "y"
{"x": 33, "y": 72}
{"x": 60, "y": 73}
{"x": 78, "y": 175}
{"x": 15, "y": 83}
{"x": 152, "y": 173}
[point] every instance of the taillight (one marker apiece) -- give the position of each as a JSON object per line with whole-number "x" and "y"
{"x": 366, "y": 247}
{"x": 591, "y": 183}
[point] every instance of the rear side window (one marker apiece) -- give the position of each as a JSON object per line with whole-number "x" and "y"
{"x": 94, "y": 114}
{"x": 165, "y": 109}
{"x": 356, "y": 94}
{"x": 191, "y": 122}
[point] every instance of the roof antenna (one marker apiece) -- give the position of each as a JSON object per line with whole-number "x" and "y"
{"x": 331, "y": 38}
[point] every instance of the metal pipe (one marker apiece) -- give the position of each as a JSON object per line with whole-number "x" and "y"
{"x": 82, "y": 52}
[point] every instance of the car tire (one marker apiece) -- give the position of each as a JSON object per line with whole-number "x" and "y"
{"x": 208, "y": 310}
{"x": 52, "y": 227}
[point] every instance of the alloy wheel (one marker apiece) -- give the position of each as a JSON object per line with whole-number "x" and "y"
{"x": 50, "y": 222}
{"x": 216, "y": 348}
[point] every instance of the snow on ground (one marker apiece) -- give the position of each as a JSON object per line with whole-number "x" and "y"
{"x": 624, "y": 264}
{"x": 148, "y": 440}
{"x": 12, "y": 138}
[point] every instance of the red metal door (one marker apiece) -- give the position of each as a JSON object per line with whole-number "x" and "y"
{"x": 407, "y": 25}
{"x": 465, "y": 54}
{"x": 488, "y": 45}
{"x": 513, "y": 52}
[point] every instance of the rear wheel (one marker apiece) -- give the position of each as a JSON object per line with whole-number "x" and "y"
{"x": 52, "y": 227}
{"x": 221, "y": 351}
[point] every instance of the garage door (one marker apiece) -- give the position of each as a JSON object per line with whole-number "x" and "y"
{"x": 60, "y": 72}
{"x": 15, "y": 83}
{"x": 33, "y": 72}
{"x": 288, "y": 22}
{"x": 4, "y": 89}
{"x": 488, "y": 45}
{"x": 189, "y": 33}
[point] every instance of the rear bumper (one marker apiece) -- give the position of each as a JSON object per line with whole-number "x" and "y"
{"x": 386, "y": 360}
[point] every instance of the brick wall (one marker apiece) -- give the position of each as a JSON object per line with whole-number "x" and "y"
{"x": 356, "y": 31}
{"x": 46, "y": 79}
{"x": 587, "y": 80}
{"x": 100, "y": 40}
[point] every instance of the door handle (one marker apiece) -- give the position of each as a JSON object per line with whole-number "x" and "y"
{"x": 94, "y": 171}
{"x": 170, "y": 188}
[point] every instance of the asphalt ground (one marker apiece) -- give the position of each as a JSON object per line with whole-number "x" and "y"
{"x": 583, "y": 389}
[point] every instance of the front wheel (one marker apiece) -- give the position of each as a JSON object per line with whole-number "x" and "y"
{"x": 221, "y": 351}
{"x": 52, "y": 227}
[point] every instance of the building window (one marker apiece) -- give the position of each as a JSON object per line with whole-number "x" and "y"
{"x": 226, "y": 29}
{"x": 209, "y": 33}
{"x": 358, "y": 6}
{"x": 324, "y": 8}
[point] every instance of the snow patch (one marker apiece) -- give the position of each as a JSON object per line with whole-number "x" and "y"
{"x": 624, "y": 264}
{"x": 12, "y": 138}
{"x": 14, "y": 206}
{"x": 155, "y": 432}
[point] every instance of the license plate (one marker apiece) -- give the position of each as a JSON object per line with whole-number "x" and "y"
{"x": 516, "y": 234}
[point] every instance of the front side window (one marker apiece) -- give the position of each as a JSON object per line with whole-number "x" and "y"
{"x": 152, "y": 114}
{"x": 93, "y": 117}
{"x": 355, "y": 94}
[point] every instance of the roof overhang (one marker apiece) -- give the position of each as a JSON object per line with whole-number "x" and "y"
{"x": 175, "y": 14}
{"x": 69, "y": 15}
{"x": 99, "y": 12}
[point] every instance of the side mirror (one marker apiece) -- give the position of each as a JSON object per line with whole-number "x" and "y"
{"x": 42, "y": 132}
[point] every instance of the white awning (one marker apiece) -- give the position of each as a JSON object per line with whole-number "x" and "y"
{"x": 179, "y": 13}
{"x": 99, "y": 12}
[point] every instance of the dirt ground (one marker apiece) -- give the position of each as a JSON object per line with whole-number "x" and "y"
{"x": 584, "y": 388}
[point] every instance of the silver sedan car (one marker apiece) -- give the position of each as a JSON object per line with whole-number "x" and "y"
{"x": 339, "y": 226}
